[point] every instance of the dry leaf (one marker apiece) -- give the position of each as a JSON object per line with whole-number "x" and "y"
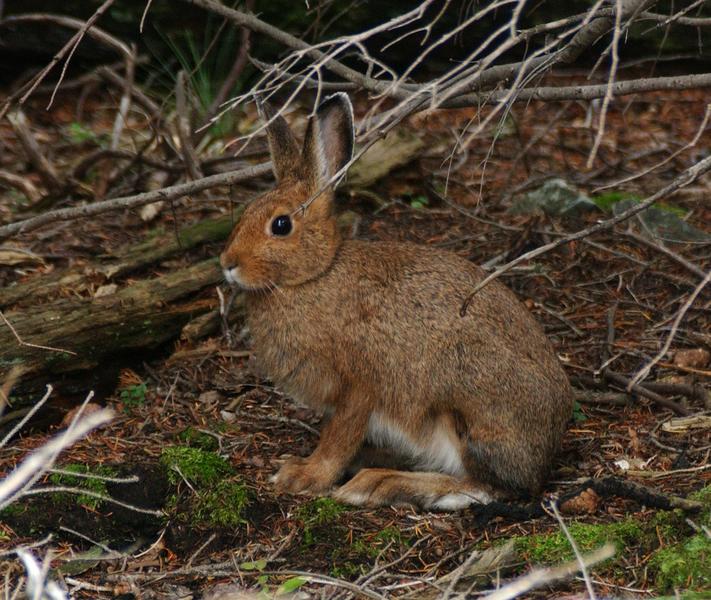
{"x": 587, "y": 502}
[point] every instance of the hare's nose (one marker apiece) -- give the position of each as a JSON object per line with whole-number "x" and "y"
{"x": 228, "y": 262}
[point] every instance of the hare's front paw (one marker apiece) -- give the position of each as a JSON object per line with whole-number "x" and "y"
{"x": 303, "y": 476}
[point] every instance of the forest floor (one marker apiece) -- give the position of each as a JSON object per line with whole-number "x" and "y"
{"x": 204, "y": 435}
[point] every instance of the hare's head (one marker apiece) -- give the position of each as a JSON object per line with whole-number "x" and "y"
{"x": 280, "y": 239}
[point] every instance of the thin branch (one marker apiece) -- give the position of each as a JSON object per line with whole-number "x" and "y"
{"x": 688, "y": 176}
{"x": 169, "y": 193}
{"x": 660, "y": 247}
{"x": 185, "y": 133}
{"x": 29, "y": 144}
{"x": 644, "y": 371}
{"x": 43, "y": 458}
{"x": 20, "y": 341}
{"x": 540, "y": 577}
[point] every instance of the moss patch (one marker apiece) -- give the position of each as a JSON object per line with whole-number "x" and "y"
{"x": 217, "y": 497}
{"x": 686, "y": 565}
{"x": 95, "y": 484}
{"x": 319, "y": 517}
{"x": 222, "y": 505}
{"x": 555, "y": 547}
{"x": 199, "y": 467}
{"x": 197, "y": 439}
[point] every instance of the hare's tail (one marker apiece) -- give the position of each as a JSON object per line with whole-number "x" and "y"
{"x": 435, "y": 491}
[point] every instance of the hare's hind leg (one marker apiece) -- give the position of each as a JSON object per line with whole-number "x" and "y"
{"x": 427, "y": 490}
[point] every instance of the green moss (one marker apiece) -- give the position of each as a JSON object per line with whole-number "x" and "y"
{"x": 97, "y": 486}
{"x": 197, "y": 439}
{"x": 686, "y": 565}
{"x": 703, "y": 495}
{"x": 320, "y": 511}
{"x": 318, "y": 517}
{"x": 223, "y": 505}
{"x": 606, "y": 201}
{"x": 347, "y": 570}
{"x": 199, "y": 467}
{"x": 555, "y": 547}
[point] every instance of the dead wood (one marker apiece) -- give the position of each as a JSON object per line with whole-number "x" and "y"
{"x": 124, "y": 261}
{"x": 140, "y": 316}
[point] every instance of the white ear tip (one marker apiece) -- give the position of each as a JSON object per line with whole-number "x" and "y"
{"x": 343, "y": 98}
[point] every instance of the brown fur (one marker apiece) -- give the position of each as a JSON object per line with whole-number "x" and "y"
{"x": 370, "y": 333}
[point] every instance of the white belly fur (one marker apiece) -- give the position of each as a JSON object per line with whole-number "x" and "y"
{"x": 437, "y": 452}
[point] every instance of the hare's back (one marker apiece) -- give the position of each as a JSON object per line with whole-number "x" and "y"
{"x": 410, "y": 285}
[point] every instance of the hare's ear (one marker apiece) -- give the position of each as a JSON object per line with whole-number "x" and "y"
{"x": 328, "y": 144}
{"x": 283, "y": 147}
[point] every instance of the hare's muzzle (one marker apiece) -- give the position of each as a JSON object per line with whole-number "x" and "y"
{"x": 230, "y": 269}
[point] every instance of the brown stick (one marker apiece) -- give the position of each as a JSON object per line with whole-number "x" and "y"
{"x": 185, "y": 133}
{"x": 46, "y": 171}
{"x": 21, "y": 183}
{"x": 623, "y": 381}
{"x": 68, "y": 48}
{"x": 660, "y": 247}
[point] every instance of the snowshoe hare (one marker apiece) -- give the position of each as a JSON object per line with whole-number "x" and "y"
{"x": 370, "y": 333}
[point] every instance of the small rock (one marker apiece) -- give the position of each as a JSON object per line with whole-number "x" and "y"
{"x": 210, "y": 397}
{"x": 696, "y": 358}
{"x": 227, "y": 416}
{"x": 105, "y": 290}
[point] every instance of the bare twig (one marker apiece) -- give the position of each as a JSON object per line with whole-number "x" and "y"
{"x": 237, "y": 67}
{"x": 576, "y": 551}
{"x": 46, "y": 171}
{"x": 43, "y": 458}
{"x": 185, "y": 133}
{"x": 20, "y": 341}
{"x": 169, "y": 193}
{"x": 125, "y": 102}
{"x": 68, "y": 49}
{"x": 21, "y": 183}
{"x": 540, "y": 577}
{"x": 660, "y": 247}
{"x": 644, "y": 371}
{"x": 691, "y": 174}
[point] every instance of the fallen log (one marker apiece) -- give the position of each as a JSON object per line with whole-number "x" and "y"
{"x": 86, "y": 332}
{"x": 126, "y": 260}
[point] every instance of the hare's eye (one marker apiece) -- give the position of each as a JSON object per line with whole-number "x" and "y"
{"x": 281, "y": 225}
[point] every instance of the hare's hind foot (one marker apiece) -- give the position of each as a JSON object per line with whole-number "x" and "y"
{"x": 426, "y": 490}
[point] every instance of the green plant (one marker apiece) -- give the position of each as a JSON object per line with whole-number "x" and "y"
{"x": 606, "y": 201}
{"x": 80, "y": 134}
{"x": 686, "y": 565}
{"x": 91, "y": 482}
{"x": 199, "y": 467}
{"x": 207, "y": 60}
{"x": 578, "y": 415}
{"x": 420, "y": 201}
{"x": 317, "y": 513}
{"x": 222, "y": 505}
{"x": 554, "y": 547}
{"x": 198, "y": 439}
{"x": 133, "y": 396}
